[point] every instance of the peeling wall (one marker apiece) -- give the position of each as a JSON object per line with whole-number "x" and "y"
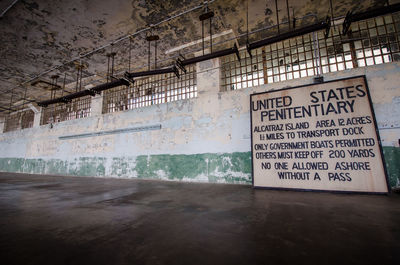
{"x": 205, "y": 139}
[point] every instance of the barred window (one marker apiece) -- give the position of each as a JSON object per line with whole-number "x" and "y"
{"x": 369, "y": 42}
{"x": 76, "y": 109}
{"x": 151, "y": 90}
{"x": 378, "y": 40}
{"x": 19, "y": 120}
{"x": 246, "y": 73}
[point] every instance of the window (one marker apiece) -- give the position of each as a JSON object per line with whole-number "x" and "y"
{"x": 246, "y": 73}
{"x": 19, "y": 120}
{"x": 369, "y": 42}
{"x": 76, "y": 109}
{"x": 151, "y": 90}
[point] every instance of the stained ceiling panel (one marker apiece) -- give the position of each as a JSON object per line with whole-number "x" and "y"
{"x": 38, "y": 35}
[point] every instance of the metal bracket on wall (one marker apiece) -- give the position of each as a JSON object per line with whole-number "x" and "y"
{"x": 318, "y": 80}
{"x": 101, "y": 133}
{"x": 328, "y": 26}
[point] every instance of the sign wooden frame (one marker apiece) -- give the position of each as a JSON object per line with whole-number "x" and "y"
{"x": 377, "y": 147}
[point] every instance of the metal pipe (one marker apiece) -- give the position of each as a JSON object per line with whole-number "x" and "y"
{"x": 5, "y": 10}
{"x": 173, "y": 69}
{"x": 331, "y": 7}
{"x": 26, "y": 89}
{"x": 288, "y": 13}
{"x": 247, "y": 21}
{"x": 116, "y": 41}
{"x": 108, "y": 66}
{"x": 112, "y": 65}
{"x": 77, "y": 81}
{"x": 148, "y": 55}
{"x": 130, "y": 51}
{"x": 294, "y": 19}
{"x": 277, "y": 15}
{"x": 224, "y": 41}
{"x": 211, "y": 34}
{"x": 63, "y": 88}
{"x": 55, "y": 85}
{"x": 316, "y": 53}
{"x": 115, "y": 83}
{"x": 155, "y": 54}
{"x": 80, "y": 78}
{"x": 45, "y": 103}
{"x": 51, "y": 90}
{"x": 241, "y": 35}
{"x": 45, "y": 82}
{"x": 143, "y": 30}
{"x": 79, "y": 94}
{"x": 294, "y": 33}
{"x": 12, "y": 94}
{"x": 198, "y": 58}
{"x": 202, "y": 33}
{"x": 86, "y": 92}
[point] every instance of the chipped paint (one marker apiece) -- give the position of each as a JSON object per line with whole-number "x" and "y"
{"x": 194, "y": 168}
{"x": 392, "y": 159}
{"x": 42, "y": 148}
{"x": 214, "y": 168}
{"x": 98, "y": 145}
{"x": 204, "y": 139}
{"x": 43, "y": 33}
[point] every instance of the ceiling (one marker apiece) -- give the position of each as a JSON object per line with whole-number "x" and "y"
{"x": 38, "y": 35}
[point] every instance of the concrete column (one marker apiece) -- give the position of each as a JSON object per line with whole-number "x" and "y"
{"x": 97, "y": 105}
{"x": 37, "y": 118}
{"x": 38, "y": 114}
{"x": 2, "y": 122}
{"x": 208, "y": 76}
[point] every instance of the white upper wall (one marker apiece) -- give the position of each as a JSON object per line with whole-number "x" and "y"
{"x": 214, "y": 122}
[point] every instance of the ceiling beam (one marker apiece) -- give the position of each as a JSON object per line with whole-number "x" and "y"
{"x": 127, "y": 36}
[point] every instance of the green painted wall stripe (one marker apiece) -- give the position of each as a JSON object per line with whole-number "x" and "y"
{"x": 392, "y": 160}
{"x": 221, "y": 168}
{"x": 215, "y": 168}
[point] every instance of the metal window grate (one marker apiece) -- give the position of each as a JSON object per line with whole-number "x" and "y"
{"x": 246, "y": 73}
{"x": 378, "y": 40}
{"x": 76, "y": 109}
{"x": 19, "y": 120}
{"x": 369, "y": 42}
{"x": 151, "y": 90}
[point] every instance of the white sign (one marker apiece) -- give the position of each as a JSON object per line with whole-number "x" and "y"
{"x": 317, "y": 137}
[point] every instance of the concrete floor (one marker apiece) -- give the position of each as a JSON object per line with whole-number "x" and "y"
{"x": 71, "y": 220}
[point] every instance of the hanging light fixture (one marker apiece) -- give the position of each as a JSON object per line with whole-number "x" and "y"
{"x": 92, "y": 91}
{"x": 208, "y": 15}
{"x": 151, "y": 37}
